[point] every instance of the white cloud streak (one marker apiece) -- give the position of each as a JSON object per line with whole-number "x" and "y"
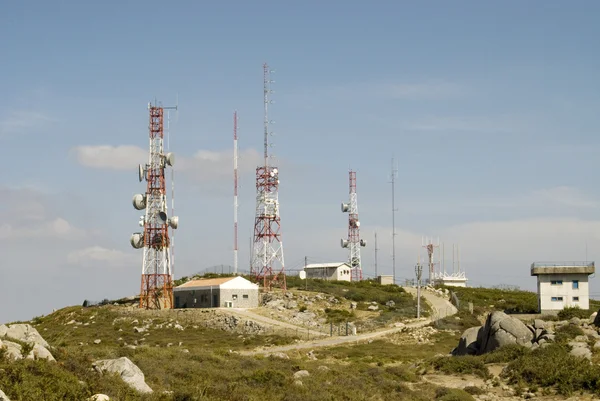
{"x": 97, "y": 256}
{"x": 18, "y": 122}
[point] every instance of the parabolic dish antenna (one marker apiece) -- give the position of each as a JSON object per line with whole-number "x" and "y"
{"x": 141, "y": 172}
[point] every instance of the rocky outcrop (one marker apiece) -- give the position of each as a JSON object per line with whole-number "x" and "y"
{"x": 24, "y": 333}
{"x": 99, "y": 397}
{"x": 3, "y": 396}
{"x": 129, "y": 372}
{"x": 499, "y": 330}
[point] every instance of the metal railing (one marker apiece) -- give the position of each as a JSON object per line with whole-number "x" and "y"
{"x": 562, "y": 264}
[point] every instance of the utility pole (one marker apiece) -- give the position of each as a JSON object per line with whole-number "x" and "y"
{"x": 418, "y": 271}
{"x": 393, "y": 182}
{"x": 376, "y": 249}
{"x": 306, "y": 279}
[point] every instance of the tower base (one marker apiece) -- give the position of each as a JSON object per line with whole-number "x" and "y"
{"x": 156, "y": 291}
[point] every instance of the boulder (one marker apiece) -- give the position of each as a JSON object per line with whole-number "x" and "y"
{"x": 373, "y": 308}
{"x": 129, "y": 372}
{"x": 26, "y": 333}
{"x": 13, "y": 350}
{"x": 3, "y": 330}
{"x": 501, "y": 330}
{"x": 593, "y": 317}
{"x": 99, "y": 397}
{"x": 581, "y": 352}
{"x": 300, "y": 374}
{"x": 467, "y": 345}
{"x": 3, "y": 396}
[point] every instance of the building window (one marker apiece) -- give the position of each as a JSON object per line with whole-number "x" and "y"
{"x": 556, "y": 282}
{"x": 245, "y": 296}
{"x": 557, "y": 299}
{"x": 575, "y": 299}
{"x": 234, "y": 297}
{"x": 575, "y": 284}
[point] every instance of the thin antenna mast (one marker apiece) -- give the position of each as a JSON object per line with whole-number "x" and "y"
{"x": 393, "y": 181}
{"x": 376, "y": 249}
{"x": 235, "y": 194}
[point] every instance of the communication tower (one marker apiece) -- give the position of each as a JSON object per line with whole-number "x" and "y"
{"x": 431, "y": 262}
{"x": 353, "y": 242}
{"x": 235, "y": 194}
{"x": 157, "y": 277}
{"x": 267, "y": 263}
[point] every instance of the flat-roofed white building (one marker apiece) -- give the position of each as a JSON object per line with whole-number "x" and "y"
{"x": 329, "y": 271}
{"x": 562, "y": 284}
{"x": 222, "y": 292}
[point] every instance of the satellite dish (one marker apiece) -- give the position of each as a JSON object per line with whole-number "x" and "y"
{"x": 275, "y": 171}
{"x": 357, "y": 223}
{"x": 174, "y": 222}
{"x": 162, "y": 217}
{"x": 345, "y": 207}
{"x": 137, "y": 240}
{"x": 170, "y": 159}
{"x": 302, "y": 274}
{"x": 139, "y": 201}
{"x": 344, "y": 243}
{"x": 141, "y": 172}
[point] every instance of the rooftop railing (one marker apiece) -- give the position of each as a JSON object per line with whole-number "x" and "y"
{"x": 561, "y": 264}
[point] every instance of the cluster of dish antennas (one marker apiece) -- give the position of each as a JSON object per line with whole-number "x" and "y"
{"x": 354, "y": 223}
{"x": 140, "y": 203}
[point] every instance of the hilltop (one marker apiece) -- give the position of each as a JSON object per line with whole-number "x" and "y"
{"x": 214, "y": 354}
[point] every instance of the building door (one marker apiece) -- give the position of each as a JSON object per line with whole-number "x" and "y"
{"x": 215, "y": 302}
{"x": 176, "y": 302}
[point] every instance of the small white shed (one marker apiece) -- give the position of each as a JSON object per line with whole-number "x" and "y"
{"x": 339, "y": 271}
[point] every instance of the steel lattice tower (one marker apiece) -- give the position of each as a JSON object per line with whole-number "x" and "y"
{"x": 430, "y": 246}
{"x": 353, "y": 242}
{"x": 156, "y": 290}
{"x": 267, "y": 263}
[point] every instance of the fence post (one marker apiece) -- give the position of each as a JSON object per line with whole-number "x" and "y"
{"x": 346, "y": 328}
{"x": 330, "y": 329}
{"x": 471, "y": 307}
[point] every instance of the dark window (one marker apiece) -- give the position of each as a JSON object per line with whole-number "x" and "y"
{"x": 557, "y": 299}
{"x": 556, "y": 282}
{"x": 234, "y": 297}
{"x": 575, "y": 299}
{"x": 575, "y": 284}
{"x": 245, "y": 296}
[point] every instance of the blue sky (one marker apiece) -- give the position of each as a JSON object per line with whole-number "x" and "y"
{"x": 489, "y": 109}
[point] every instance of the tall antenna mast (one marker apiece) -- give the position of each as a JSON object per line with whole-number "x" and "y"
{"x": 376, "y": 249}
{"x": 235, "y": 194}
{"x": 353, "y": 242}
{"x": 156, "y": 290}
{"x": 267, "y": 263}
{"x": 393, "y": 182}
{"x": 172, "y": 186}
{"x": 430, "y": 246}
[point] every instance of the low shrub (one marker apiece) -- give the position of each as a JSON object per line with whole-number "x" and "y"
{"x": 506, "y": 354}
{"x": 568, "y": 332}
{"x": 467, "y": 364}
{"x": 474, "y": 390}
{"x": 575, "y": 311}
{"x": 452, "y": 394}
{"x": 553, "y": 366}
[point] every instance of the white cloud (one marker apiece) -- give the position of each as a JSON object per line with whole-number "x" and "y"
{"x": 122, "y": 157}
{"x": 567, "y": 196}
{"x": 204, "y": 165}
{"x": 23, "y": 121}
{"x": 426, "y": 90}
{"x": 58, "y": 228}
{"x": 97, "y": 256}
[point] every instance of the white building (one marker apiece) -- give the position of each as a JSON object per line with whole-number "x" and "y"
{"x": 562, "y": 284}
{"x": 451, "y": 279}
{"x": 329, "y": 271}
{"x": 223, "y": 292}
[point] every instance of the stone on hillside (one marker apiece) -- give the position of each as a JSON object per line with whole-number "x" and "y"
{"x": 373, "y": 307}
{"x": 13, "y": 350}
{"x": 390, "y": 303}
{"x": 581, "y": 339}
{"x": 501, "y": 330}
{"x": 593, "y": 317}
{"x": 301, "y": 373}
{"x": 467, "y": 345}
{"x": 99, "y": 397}
{"x": 26, "y": 333}
{"x": 129, "y": 372}
{"x": 581, "y": 352}
{"x": 539, "y": 324}
{"x": 597, "y": 345}
{"x": 3, "y": 330}
{"x": 279, "y": 355}
{"x": 98, "y": 341}
{"x": 39, "y": 352}
{"x": 291, "y": 305}
{"x": 353, "y": 305}
{"x": 3, "y": 396}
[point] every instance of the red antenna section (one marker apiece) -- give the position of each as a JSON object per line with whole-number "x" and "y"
{"x": 353, "y": 242}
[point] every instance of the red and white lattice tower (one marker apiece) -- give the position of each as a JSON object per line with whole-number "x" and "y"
{"x": 431, "y": 262}
{"x": 267, "y": 263}
{"x": 353, "y": 242}
{"x": 156, "y": 290}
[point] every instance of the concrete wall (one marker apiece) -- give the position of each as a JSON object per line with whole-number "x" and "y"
{"x": 236, "y": 296}
{"x": 193, "y": 298}
{"x": 385, "y": 280}
{"x": 547, "y": 290}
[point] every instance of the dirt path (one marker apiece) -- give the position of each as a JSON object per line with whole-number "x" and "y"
{"x": 440, "y": 306}
{"x": 248, "y": 314}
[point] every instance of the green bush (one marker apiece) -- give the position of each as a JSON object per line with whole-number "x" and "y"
{"x": 506, "y": 354}
{"x": 467, "y": 364}
{"x": 339, "y": 315}
{"x": 509, "y": 301}
{"x": 474, "y": 390}
{"x": 553, "y": 366}
{"x": 568, "y": 332}
{"x": 452, "y": 394}
{"x": 575, "y": 311}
